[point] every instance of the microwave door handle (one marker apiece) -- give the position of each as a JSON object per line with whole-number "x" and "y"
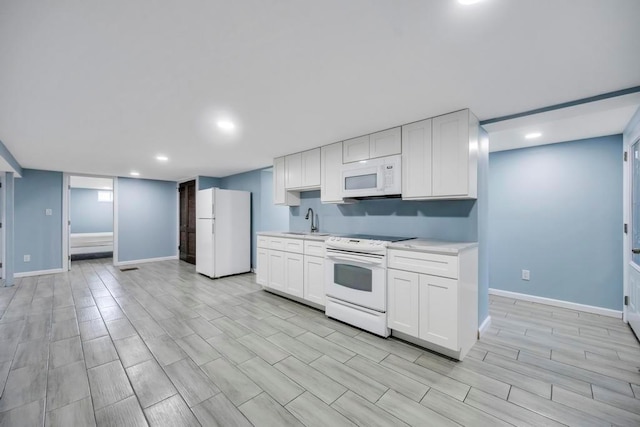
{"x": 355, "y": 259}
{"x": 381, "y": 177}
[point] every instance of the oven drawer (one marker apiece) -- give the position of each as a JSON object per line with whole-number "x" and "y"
{"x": 287, "y": 245}
{"x": 314, "y": 248}
{"x": 423, "y": 262}
{"x": 263, "y": 242}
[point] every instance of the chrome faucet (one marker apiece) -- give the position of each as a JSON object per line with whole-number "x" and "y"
{"x": 314, "y": 229}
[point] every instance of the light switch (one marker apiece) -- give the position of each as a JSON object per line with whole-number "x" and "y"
{"x": 48, "y": 212}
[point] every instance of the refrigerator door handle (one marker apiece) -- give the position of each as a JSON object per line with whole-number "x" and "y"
{"x": 213, "y": 227}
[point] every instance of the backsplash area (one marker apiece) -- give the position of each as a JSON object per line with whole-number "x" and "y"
{"x": 455, "y": 220}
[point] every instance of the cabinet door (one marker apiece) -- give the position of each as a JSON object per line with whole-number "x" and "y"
{"x": 385, "y": 143}
{"x": 439, "y": 311}
{"x": 451, "y": 154}
{"x": 314, "y": 279}
{"x": 331, "y": 162}
{"x": 277, "y": 273}
{"x": 280, "y": 194}
{"x": 311, "y": 168}
{"x": 294, "y": 273}
{"x": 262, "y": 274}
{"x": 416, "y": 160}
{"x": 293, "y": 168}
{"x": 279, "y": 190}
{"x": 356, "y": 149}
{"x": 402, "y": 311}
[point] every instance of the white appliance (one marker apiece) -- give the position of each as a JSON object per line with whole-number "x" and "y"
{"x": 372, "y": 178}
{"x": 223, "y": 232}
{"x": 356, "y": 281}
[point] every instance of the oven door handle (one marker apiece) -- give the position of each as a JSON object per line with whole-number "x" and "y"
{"x": 343, "y": 257}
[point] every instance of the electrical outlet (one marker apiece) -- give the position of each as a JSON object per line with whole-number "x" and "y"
{"x": 27, "y": 258}
{"x": 48, "y": 212}
{"x": 525, "y": 274}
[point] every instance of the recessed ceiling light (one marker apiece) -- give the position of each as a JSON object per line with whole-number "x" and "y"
{"x": 162, "y": 158}
{"x": 134, "y": 173}
{"x": 468, "y": 2}
{"x": 226, "y": 125}
{"x": 533, "y": 135}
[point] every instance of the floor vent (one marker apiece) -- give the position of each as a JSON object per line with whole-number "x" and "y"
{"x": 128, "y": 268}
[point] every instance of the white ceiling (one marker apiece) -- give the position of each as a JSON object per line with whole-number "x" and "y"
{"x": 606, "y": 117}
{"x": 103, "y": 87}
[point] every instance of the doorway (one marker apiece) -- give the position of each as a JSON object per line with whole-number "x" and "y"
{"x": 89, "y": 219}
{"x": 187, "y": 246}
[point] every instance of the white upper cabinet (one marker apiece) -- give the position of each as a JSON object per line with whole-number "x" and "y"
{"x": 455, "y": 155}
{"x": 293, "y": 171}
{"x": 311, "y": 168}
{"x": 355, "y": 149}
{"x": 416, "y": 160}
{"x": 280, "y": 194}
{"x": 440, "y": 157}
{"x": 331, "y": 171}
{"x": 385, "y": 143}
{"x": 303, "y": 170}
{"x": 379, "y": 144}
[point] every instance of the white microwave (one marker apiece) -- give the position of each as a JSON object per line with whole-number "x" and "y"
{"x": 371, "y": 178}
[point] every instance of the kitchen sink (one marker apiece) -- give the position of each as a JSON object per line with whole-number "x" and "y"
{"x": 305, "y": 233}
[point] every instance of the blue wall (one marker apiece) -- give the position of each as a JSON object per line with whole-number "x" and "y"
{"x": 35, "y": 233}
{"x": 205, "y": 182}
{"x": 556, "y": 210}
{"x": 87, "y": 214}
{"x": 147, "y": 219}
{"x": 265, "y": 216}
{"x": 9, "y": 228}
{"x": 443, "y": 220}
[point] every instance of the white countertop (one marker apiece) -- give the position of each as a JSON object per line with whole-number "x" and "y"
{"x": 304, "y": 236}
{"x": 427, "y": 245}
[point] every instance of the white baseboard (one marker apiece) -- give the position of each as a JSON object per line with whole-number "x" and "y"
{"x": 38, "y": 273}
{"x": 558, "y": 303}
{"x": 484, "y": 326}
{"x": 143, "y": 261}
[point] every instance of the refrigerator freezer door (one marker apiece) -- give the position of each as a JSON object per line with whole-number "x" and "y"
{"x": 204, "y": 247}
{"x": 204, "y": 203}
{"x": 232, "y": 243}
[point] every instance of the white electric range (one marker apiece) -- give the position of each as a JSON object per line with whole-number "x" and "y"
{"x": 356, "y": 280}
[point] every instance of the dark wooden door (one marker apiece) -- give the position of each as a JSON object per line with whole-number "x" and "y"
{"x": 188, "y": 221}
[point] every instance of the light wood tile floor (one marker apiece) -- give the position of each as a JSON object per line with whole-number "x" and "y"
{"x": 162, "y": 345}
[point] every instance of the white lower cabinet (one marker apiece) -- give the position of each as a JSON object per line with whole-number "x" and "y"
{"x": 439, "y": 311}
{"x": 262, "y": 269}
{"x": 314, "y": 279}
{"x": 284, "y": 267}
{"x": 403, "y": 310}
{"x": 294, "y": 274}
{"x": 276, "y": 271}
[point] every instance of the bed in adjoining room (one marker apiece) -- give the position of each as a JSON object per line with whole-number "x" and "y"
{"x": 91, "y": 245}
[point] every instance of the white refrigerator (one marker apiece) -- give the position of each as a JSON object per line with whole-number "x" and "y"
{"x": 223, "y": 232}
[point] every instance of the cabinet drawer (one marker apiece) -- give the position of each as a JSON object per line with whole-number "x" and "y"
{"x": 287, "y": 245}
{"x": 423, "y": 262}
{"x": 263, "y": 242}
{"x": 314, "y": 248}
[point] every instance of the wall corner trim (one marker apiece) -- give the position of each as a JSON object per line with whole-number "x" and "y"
{"x": 484, "y": 327}
{"x": 558, "y": 303}
{"x": 143, "y": 261}
{"x": 39, "y": 272}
